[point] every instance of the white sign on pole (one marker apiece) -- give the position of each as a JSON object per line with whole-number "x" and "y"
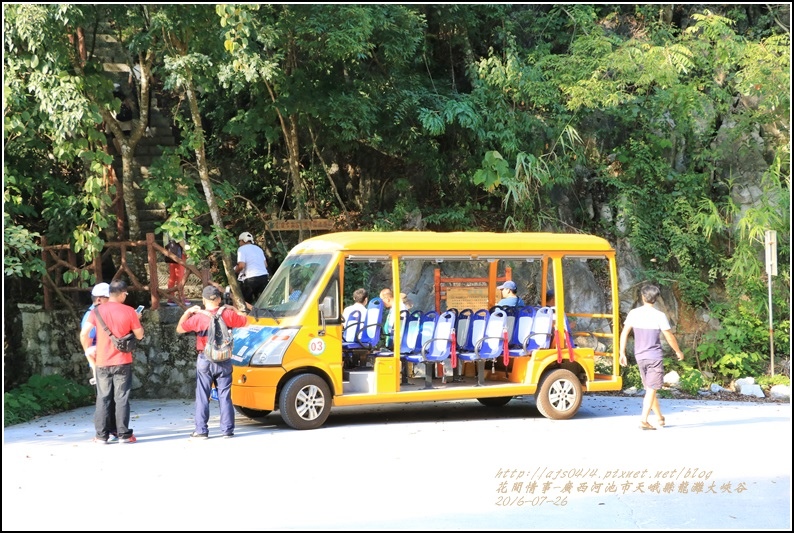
{"x": 770, "y": 245}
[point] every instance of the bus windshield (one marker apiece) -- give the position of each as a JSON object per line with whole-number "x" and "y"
{"x": 293, "y": 282}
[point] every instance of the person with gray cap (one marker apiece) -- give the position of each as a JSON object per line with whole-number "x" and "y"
{"x": 507, "y": 290}
{"x": 251, "y": 268}
{"x": 197, "y": 320}
{"x": 100, "y": 294}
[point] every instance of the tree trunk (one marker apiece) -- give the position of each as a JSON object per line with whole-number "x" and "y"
{"x": 298, "y": 196}
{"x": 204, "y": 176}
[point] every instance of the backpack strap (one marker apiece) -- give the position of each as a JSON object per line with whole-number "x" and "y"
{"x": 113, "y": 338}
{"x": 102, "y": 323}
{"x": 218, "y": 312}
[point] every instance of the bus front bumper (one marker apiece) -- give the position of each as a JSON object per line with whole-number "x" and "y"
{"x": 256, "y": 388}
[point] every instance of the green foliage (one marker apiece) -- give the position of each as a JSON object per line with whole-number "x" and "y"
{"x": 736, "y": 365}
{"x": 740, "y": 348}
{"x": 176, "y": 186}
{"x": 454, "y": 218}
{"x": 494, "y": 170}
{"x": 54, "y": 157}
{"x": 766, "y": 382}
{"x": 603, "y": 365}
{"x": 44, "y": 395}
{"x": 692, "y": 380}
{"x": 20, "y": 252}
{"x": 631, "y": 375}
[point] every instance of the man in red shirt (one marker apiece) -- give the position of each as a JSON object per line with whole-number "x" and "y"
{"x": 194, "y": 319}
{"x": 113, "y": 367}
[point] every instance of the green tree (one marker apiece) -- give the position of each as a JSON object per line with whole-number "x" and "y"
{"x": 319, "y": 73}
{"x": 54, "y": 169}
{"x": 190, "y": 53}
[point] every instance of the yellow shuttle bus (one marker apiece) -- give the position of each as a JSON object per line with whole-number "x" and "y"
{"x": 457, "y": 339}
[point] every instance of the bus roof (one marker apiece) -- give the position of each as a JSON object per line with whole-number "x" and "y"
{"x": 469, "y": 243}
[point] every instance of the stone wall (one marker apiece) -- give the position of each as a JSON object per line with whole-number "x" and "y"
{"x": 164, "y": 365}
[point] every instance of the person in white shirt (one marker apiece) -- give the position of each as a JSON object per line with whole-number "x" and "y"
{"x": 251, "y": 267}
{"x": 360, "y": 299}
{"x": 649, "y": 324}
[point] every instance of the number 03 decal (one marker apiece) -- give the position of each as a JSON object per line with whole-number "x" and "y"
{"x": 317, "y": 346}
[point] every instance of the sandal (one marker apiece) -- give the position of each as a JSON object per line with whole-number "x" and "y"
{"x": 645, "y": 426}
{"x": 661, "y": 421}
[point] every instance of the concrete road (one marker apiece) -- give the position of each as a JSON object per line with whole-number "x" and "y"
{"x": 438, "y": 466}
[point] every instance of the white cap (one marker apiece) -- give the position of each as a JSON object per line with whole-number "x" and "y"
{"x": 101, "y": 289}
{"x": 245, "y": 237}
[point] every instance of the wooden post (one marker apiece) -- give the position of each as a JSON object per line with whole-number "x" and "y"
{"x": 437, "y": 283}
{"x": 72, "y": 258}
{"x": 154, "y": 279}
{"x": 98, "y": 267}
{"x": 47, "y": 296}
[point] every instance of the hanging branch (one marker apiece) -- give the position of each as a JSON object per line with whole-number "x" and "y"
{"x": 327, "y": 173}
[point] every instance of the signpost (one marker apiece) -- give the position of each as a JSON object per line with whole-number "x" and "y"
{"x": 770, "y": 246}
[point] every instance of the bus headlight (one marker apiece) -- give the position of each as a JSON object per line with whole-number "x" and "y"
{"x": 271, "y": 352}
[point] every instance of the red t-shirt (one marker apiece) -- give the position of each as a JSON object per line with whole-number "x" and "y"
{"x": 120, "y": 319}
{"x": 200, "y": 323}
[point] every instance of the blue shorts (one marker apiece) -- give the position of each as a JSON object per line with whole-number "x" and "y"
{"x": 652, "y": 373}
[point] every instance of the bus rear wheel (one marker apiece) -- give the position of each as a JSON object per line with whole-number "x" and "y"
{"x": 251, "y": 413}
{"x": 305, "y": 402}
{"x": 559, "y": 395}
{"x": 495, "y": 402}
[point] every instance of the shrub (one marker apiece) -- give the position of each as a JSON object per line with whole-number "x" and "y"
{"x": 767, "y": 382}
{"x": 691, "y": 381}
{"x": 602, "y": 366}
{"x": 737, "y": 365}
{"x": 631, "y": 376}
{"x": 44, "y": 395}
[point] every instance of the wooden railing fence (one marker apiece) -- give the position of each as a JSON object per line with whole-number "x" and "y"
{"x": 59, "y": 259}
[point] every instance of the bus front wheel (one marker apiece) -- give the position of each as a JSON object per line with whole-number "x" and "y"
{"x": 305, "y": 402}
{"x": 559, "y": 395}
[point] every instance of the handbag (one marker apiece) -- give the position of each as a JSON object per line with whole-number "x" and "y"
{"x": 126, "y": 344}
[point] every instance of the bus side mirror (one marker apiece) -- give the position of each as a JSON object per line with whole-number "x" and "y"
{"x": 326, "y": 309}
